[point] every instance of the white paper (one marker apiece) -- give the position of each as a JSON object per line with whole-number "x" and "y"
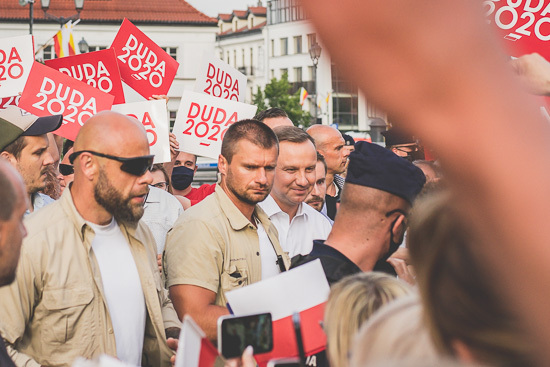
{"x": 154, "y": 117}
{"x": 218, "y": 79}
{"x": 16, "y": 60}
{"x": 189, "y": 344}
{"x": 295, "y": 290}
{"x": 202, "y": 120}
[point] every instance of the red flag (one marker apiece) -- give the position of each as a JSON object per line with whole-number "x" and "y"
{"x": 194, "y": 349}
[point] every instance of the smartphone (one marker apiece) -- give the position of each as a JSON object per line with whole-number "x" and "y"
{"x": 235, "y": 333}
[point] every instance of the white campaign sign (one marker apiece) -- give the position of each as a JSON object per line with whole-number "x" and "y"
{"x": 295, "y": 290}
{"x": 153, "y": 116}
{"x": 219, "y": 79}
{"x": 202, "y": 121}
{"x": 16, "y": 60}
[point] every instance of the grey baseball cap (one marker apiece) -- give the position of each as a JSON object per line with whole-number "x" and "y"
{"x": 16, "y": 122}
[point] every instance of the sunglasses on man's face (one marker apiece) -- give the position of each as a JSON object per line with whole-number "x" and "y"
{"x": 66, "y": 169}
{"x": 136, "y": 166}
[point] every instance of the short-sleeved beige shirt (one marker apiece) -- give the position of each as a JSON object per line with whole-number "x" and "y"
{"x": 214, "y": 246}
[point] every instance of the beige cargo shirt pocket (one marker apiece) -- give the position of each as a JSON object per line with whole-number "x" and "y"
{"x": 65, "y": 320}
{"x": 235, "y": 276}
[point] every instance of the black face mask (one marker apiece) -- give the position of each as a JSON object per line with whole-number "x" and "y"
{"x": 182, "y": 177}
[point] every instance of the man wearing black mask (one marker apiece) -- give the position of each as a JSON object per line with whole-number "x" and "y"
{"x": 185, "y": 166}
{"x": 402, "y": 144}
{"x": 378, "y": 193}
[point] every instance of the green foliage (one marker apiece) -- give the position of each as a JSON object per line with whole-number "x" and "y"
{"x": 276, "y": 94}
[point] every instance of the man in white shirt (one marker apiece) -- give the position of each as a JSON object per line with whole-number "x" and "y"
{"x": 298, "y": 224}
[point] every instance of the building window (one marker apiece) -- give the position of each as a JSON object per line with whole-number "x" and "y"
{"x": 228, "y": 57}
{"x": 298, "y": 74}
{"x": 283, "y": 72}
{"x": 284, "y": 46}
{"x": 172, "y": 51}
{"x": 272, "y": 48}
{"x": 272, "y": 73}
{"x": 48, "y": 53}
{"x": 234, "y": 58}
{"x": 96, "y": 48}
{"x": 251, "y": 61}
{"x": 311, "y": 73}
{"x": 344, "y": 100}
{"x": 311, "y": 40}
{"x": 282, "y": 11}
{"x": 298, "y": 44}
{"x": 173, "y": 115}
{"x": 243, "y": 54}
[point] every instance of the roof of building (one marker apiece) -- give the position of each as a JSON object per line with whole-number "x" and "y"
{"x": 225, "y": 17}
{"x": 240, "y": 13}
{"x": 242, "y": 31}
{"x": 258, "y": 10}
{"x": 112, "y": 11}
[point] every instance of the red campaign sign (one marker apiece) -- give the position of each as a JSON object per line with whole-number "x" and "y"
{"x": 9, "y": 101}
{"x": 53, "y": 93}
{"x": 98, "y": 69}
{"x": 143, "y": 65}
{"x": 523, "y": 24}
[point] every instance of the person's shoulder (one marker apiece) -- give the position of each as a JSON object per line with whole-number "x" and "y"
{"x": 316, "y": 216}
{"x": 44, "y": 218}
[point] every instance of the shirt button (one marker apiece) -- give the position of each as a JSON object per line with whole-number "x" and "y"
{"x": 257, "y": 254}
{"x": 110, "y": 330}
{"x": 240, "y": 282}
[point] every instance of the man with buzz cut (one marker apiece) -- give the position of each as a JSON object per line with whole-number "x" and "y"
{"x": 24, "y": 143}
{"x": 297, "y": 223}
{"x": 226, "y": 241}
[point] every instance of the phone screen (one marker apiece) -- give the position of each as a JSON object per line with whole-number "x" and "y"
{"x": 236, "y": 333}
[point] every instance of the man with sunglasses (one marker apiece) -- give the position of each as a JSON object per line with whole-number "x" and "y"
{"x": 379, "y": 191}
{"x": 24, "y": 143}
{"x": 88, "y": 281}
{"x": 402, "y": 144}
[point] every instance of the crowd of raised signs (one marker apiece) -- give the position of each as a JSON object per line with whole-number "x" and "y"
{"x": 311, "y": 249}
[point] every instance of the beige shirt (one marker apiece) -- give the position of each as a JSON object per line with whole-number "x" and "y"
{"x": 214, "y": 246}
{"x": 55, "y": 310}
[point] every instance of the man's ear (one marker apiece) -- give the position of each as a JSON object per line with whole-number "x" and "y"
{"x": 399, "y": 227}
{"x": 10, "y": 157}
{"x": 87, "y": 165}
{"x": 222, "y": 164}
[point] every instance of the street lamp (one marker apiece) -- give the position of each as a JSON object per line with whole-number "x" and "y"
{"x": 83, "y": 46}
{"x": 78, "y": 4}
{"x": 31, "y": 15}
{"x": 315, "y": 54}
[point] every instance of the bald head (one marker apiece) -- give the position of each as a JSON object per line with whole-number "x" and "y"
{"x": 12, "y": 189}
{"x": 110, "y": 133}
{"x": 322, "y": 133}
{"x": 330, "y": 144}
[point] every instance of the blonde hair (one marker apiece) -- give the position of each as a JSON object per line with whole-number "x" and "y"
{"x": 351, "y": 302}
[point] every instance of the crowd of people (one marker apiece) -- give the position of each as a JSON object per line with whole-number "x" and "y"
{"x": 432, "y": 263}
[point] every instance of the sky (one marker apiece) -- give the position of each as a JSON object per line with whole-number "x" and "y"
{"x": 214, "y": 7}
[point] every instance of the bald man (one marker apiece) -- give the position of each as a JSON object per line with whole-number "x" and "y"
{"x": 88, "y": 281}
{"x": 13, "y": 197}
{"x": 330, "y": 144}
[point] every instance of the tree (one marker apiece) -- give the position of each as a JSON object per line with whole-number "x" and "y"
{"x": 277, "y": 94}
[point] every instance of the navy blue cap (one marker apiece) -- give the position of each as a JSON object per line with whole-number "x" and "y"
{"x": 373, "y": 166}
{"x": 394, "y": 136}
{"x": 348, "y": 139}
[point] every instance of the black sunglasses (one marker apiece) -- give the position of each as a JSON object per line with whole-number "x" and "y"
{"x": 136, "y": 166}
{"x": 66, "y": 169}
